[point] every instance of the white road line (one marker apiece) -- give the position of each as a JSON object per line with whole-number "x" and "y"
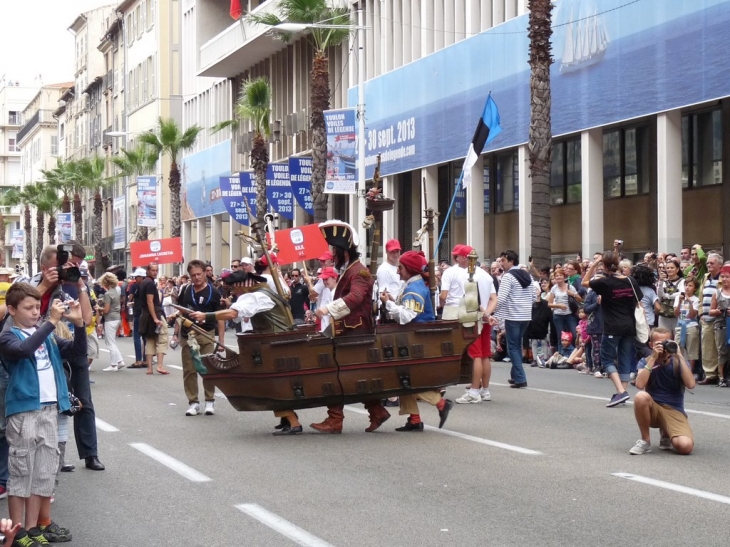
{"x": 284, "y": 527}
{"x": 675, "y": 487}
{"x": 170, "y": 462}
{"x": 178, "y": 367}
{"x": 480, "y": 440}
{"x": 132, "y": 356}
{"x": 104, "y": 426}
{"x": 596, "y": 398}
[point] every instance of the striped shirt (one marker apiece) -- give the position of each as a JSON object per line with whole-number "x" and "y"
{"x": 709, "y": 288}
{"x": 514, "y": 303}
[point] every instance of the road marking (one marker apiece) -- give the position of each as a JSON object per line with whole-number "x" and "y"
{"x": 178, "y": 367}
{"x": 170, "y": 462}
{"x": 479, "y": 440}
{"x": 596, "y": 398}
{"x": 284, "y": 527}
{"x": 132, "y": 356}
{"x": 675, "y": 487}
{"x": 104, "y": 426}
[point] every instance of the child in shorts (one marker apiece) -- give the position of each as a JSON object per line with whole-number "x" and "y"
{"x": 36, "y": 393}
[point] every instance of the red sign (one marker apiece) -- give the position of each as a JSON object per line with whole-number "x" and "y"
{"x": 298, "y": 244}
{"x": 161, "y": 251}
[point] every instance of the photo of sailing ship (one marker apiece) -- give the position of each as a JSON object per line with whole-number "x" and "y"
{"x": 586, "y": 41}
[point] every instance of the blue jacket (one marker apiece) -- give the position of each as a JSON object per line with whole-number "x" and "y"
{"x": 18, "y": 354}
{"x": 417, "y": 297}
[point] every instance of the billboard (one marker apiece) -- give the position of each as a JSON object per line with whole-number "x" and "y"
{"x": 64, "y": 227}
{"x": 278, "y": 189}
{"x": 200, "y": 177}
{"x": 300, "y": 177}
{"x": 147, "y": 201}
{"x": 341, "y": 176}
{"x": 120, "y": 222}
{"x": 17, "y": 240}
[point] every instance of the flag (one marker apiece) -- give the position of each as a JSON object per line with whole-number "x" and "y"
{"x": 487, "y": 128}
{"x": 236, "y": 9}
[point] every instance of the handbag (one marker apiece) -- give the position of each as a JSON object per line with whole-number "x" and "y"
{"x": 573, "y": 305}
{"x": 642, "y": 327}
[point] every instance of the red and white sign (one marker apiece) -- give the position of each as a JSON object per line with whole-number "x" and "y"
{"x": 298, "y": 244}
{"x": 160, "y": 251}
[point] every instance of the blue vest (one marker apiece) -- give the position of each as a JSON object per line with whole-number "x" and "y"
{"x": 417, "y": 297}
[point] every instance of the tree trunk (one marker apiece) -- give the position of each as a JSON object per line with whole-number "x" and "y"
{"x": 175, "y": 210}
{"x": 96, "y": 235}
{"x": 51, "y": 229}
{"x": 40, "y": 221}
{"x": 28, "y": 242}
{"x": 141, "y": 234}
{"x": 65, "y": 204}
{"x": 259, "y": 162}
{"x": 320, "y": 101}
{"x": 78, "y": 218}
{"x": 540, "y": 138}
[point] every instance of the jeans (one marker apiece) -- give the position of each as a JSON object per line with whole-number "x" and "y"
{"x": 4, "y": 379}
{"x": 565, "y": 323}
{"x": 84, "y": 419}
{"x": 621, "y": 347}
{"x": 514, "y": 332}
{"x": 138, "y": 343}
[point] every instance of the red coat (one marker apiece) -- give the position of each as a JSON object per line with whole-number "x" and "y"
{"x": 355, "y": 288}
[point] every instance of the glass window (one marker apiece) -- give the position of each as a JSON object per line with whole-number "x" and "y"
{"x": 612, "y": 164}
{"x": 702, "y": 149}
{"x": 574, "y": 171}
{"x": 557, "y": 175}
{"x": 54, "y": 145}
{"x": 487, "y": 202}
{"x": 12, "y": 146}
{"x": 626, "y": 162}
{"x": 507, "y": 183}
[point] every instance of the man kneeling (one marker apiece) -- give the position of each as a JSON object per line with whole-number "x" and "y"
{"x": 663, "y": 376}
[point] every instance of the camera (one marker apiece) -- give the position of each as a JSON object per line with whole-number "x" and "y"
{"x": 670, "y": 346}
{"x": 620, "y": 242}
{"x": 72, "y": 274}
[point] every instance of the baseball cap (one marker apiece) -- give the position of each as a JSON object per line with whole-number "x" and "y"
{"x": 328, "y": 272}
{"x": 392, "y": 245}
{"x": 266, "y": 262}
{"x": 461, "y": 250}
{"x": 139, "y": 272}
{"x": 247, "y": 260}
{"x": 326, "y": 256}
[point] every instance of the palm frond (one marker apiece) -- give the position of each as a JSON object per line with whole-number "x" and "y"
{"x": 233, "y": 124}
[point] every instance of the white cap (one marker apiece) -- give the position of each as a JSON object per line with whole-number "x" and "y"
{"x": 246, "y": 260}
{"x": 140, "y": 272}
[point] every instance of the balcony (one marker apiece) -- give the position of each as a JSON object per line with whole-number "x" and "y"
{"x": 238, "y": 47}
{"x": 44, "y": 117}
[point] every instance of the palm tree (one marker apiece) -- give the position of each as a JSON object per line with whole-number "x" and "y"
{"x": 170, "y": 140}
{"x": 540, "y": 147}
{"x": 307, "y": 12}
{"x": 3, "y": 222}
{"x": 254, "y": 104}
{"x": 62, "y": 178}
{"x": 24, "y": 197}
{"x": 136, "y": 163}
{"x": 93, "y": 174}
{"x": 50, "y": 203}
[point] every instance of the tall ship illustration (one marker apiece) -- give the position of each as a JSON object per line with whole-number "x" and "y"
{"x": 586, "y": 42}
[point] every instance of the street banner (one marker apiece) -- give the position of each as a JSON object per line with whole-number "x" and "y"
{"x": 297, "y": 244}
{"x": 161, "y": 251}
{"x": 64, "y": 225}
{"x": 278, "y": 189}
{"x": 300, "y": 177}
{"x": 233, "y": 199}
{"x": 17, "y": 240}
{"x": 248, "y": 188}
{"x": 147, "y": 201}
{"x": 341, "y": 176}
{"x": 120, "y": 222}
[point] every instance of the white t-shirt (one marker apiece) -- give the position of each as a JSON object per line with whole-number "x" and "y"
{"x": 388, "y": 278}
{"x": 684, "y": 310}
{"x": 485, "y": 285}
{"x": 324, "y": 298}
{"x": 46, "y": 376}
{"x": 452, "y": 280}
{"x": 249, "y": 304}
{"x": 272, "y": 285}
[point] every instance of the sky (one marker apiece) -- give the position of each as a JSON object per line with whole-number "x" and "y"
{"x": 35, "y": 43}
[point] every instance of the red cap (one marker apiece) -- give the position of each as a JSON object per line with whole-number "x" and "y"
{"x": 392, "y": 245}
{"x": 461, "y": 250}
{"x": 326, "y": 256}
{"x": 266, "y": 262}
{"x": 412, "y": 261}
{"x": 328, "y": 272}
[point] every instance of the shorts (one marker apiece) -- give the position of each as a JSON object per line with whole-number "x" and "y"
{"x": 33, "y": 454}
{"x": 670, "y": 420}
{"x": 692, "y": 345}
{"x": 157, "y": 343}
{"x": 92, "y": 346}
{"x": 481, "y": 348}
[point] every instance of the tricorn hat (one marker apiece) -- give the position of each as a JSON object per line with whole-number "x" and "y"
{"x": 339, "y": 234}
{"x": 247, "y": 278}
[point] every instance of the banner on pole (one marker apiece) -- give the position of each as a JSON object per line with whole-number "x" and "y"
{"x": 300, "y": 177}
{"x": 297, "y": 244}
{"x": 233, "y": 199}
{"x": 278, "y": 189}
{"x": 64, "y": 226}
{"x": 17, "y": 240}
{"x": 120, "y": 222}
{"x": 342, "y": 161}
{"x": 161, "y": 251}
{"x": 147, "y": 201}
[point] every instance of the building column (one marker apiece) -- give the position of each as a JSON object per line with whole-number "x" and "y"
{"x": 187, "y": 240}
{"x": 200, "y": 250}
{"x": 475, "y": 209}
{"x": 669, "y": 181}
{"x": 591, "y": 165}
{"x": 510, "y": 9}
{"x": 216, "y": 242}
{"x": 521, "y": 7}
{"x": 234, "y": 242}
{"x": 524, "y": 212}
{"x": 497, "y": 12}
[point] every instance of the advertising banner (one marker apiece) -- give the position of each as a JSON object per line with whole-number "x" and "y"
{"x": 120, "y": 222}
{"x": 341, "y": 177}
{"x": 17, "y": 240}
{"x": 233, "y": 198}
{"x": 300, "y": 177}
{"x": 161, "y": 251}
{"x": 248, "y": 189}
{"x": 147, "y": 201}
{"x": 297, "y": 244}
{"x": 200, "y": 175}
{"x": 64, "y": 226}
{"x": 278, "y": 189}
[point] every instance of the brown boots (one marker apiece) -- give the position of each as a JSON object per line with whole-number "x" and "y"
{"x": 333, "y": 422}
{"x": 378, "y": 415}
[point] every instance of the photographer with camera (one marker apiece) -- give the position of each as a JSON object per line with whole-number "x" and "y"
{"x": 60, "y": 278}
{"x": 663, "y": 376}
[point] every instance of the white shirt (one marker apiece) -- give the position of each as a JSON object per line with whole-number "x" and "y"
{"x": 323, "y": 299}
{"x": 389, "y": 279}
{"x": 46, "y": 376}
{"x": 272, "y": 285}
{"x": 485, "y": 285}
{"x": 249, "y": 304}
{"x": 453, "y": 280}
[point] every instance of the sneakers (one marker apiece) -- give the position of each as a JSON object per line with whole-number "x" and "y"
{"x": 24, "y": 539}
{"x": 110, "y": 368}
{"x": 36, "y": 535}
{"x": 632, "y": 376}
{"x": 55, "y": 534}
{"x": 469, "y": 398}
{"x": 618, "y": 398}
{"x": 598, "y": 374}
{"x": 3, "y": 492}
{"x": 485, "y": 395}
{"x": 209, "y": 410}
{"x": 665, "y": 443}
{"x": 194, "y": 410}
{"x": 641, "y": 447}
{"x": 540, "y": 361}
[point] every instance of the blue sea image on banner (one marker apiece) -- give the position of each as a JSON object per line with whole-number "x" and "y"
{"x": 279, "y": 192}
{"x": 201, "y": 174}
{"x": 341, "y": 174}
{"x": 300, "y": 177}
{"x": 248, "y": 188}
{"x": 233, "y": 198}
{"x": 614, "y": 60}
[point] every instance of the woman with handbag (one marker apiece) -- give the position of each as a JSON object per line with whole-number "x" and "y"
{"x": 620, "y": 296}
{"x": 563, "y": 300}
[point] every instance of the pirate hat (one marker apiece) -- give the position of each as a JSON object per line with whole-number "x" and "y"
{"x": 249, "y": 280}
{"x": 339, "y": 234}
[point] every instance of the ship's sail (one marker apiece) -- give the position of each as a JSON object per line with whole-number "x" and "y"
{"x": 586, "y": 41}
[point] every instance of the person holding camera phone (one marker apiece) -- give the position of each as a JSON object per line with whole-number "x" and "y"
{"x": 663, "y": 376}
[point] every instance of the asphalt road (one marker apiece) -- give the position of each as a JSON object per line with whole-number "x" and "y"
{"x": 535, "y": 466}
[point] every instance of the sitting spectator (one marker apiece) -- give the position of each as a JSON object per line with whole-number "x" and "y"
{"x": 565, "y": 356}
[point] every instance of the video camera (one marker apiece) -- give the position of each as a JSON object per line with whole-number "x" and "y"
{"x": 72, "y": 274}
